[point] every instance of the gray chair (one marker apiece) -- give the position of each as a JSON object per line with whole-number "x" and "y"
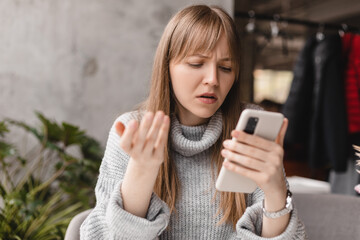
{"x": 73, "y": 230}
{"x": 326, "y": 217}
{"x": 329, "y": 216}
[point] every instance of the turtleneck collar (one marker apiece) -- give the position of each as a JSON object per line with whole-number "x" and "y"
{"x": 191, "y": 140}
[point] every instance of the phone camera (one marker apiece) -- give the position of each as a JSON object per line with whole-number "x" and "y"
{"x": 251, "y": 125}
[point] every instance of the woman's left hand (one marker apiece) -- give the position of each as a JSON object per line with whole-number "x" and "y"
{"x": 258, "y": 159}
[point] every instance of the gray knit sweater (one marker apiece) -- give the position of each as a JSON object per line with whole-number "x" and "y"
{"x": 196, "y": 209}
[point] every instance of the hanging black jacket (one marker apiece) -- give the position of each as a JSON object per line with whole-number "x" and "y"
{"x": 316, "y": 104}
{"x": 297, "y": 107}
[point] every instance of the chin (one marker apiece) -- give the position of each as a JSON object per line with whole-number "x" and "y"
{"x": 206, "y": 113}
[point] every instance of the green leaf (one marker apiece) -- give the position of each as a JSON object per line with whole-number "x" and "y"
{"x": 3, "y": 128}
{"x": 6, "y": 150}
{"x": 91, "y": 149}
{"x": 51, "y": 129}
{"x": 71, "y": 134}
{"x": 2, "y": 191}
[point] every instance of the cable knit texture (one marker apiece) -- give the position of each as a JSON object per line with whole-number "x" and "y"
{"x": 196, "y": 207}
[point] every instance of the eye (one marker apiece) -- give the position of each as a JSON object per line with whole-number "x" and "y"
{"x": 225, "y": 69}
{"x": 195, "y": 65}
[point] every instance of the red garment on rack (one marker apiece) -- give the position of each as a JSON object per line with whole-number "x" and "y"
{"x": 351, "y": 50}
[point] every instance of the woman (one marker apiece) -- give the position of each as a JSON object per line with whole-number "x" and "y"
{"x": 158, "y": 174}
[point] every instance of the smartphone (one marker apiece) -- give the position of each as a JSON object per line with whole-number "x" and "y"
{"x": 261, "y": 123}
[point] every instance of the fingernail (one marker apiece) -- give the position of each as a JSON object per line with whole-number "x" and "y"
{"x": 224, "y": 152}
{"x": 226, "y": 143}
{"x": 120, "y": 127}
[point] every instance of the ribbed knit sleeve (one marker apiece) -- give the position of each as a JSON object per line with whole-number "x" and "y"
{"x": 249, "y": 225}
{"x": 109, "y": 220}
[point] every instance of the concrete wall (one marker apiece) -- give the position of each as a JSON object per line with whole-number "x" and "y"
{"x": 81, "y": 61}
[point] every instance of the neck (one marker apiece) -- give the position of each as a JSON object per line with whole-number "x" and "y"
{"x": 192, "y": 140}
{"x": 191, "y": 120}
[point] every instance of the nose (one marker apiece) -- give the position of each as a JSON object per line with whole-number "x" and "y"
{"x": 211, "y": 77}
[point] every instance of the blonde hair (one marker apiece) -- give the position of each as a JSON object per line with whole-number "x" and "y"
{"x": 196, "y": 29}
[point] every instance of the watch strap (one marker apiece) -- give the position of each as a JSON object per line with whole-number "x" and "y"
{"x": 287, "y": 209}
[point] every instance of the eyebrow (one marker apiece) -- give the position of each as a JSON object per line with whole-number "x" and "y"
{"x": 204, "y": 56}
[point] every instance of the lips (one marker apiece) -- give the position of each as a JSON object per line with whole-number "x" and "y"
{"x": 207, "y": 98}
{"x": 208, "y": 95}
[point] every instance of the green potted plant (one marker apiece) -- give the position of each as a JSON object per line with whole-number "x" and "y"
{"x": 41, "y": 191}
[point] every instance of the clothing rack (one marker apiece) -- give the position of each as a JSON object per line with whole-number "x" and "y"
{"x": 277, "y": 18}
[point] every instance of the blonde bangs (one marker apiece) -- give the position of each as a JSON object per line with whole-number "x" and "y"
{"x": 199, "y": 35}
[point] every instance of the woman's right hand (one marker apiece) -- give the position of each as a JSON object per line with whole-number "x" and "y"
{"x": 145, "y": 143}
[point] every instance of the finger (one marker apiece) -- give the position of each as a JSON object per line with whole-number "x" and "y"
{"x": 245, "y": 161}
{"x": 163, "y": 136}
{"x": 119, "y": 127}
{"x": 280, "y": 138}
{"x": 128, "y": 136}
{"x": 236, "y": 168}
{"x": 245, "y": 149}
{"x": 153, "y": 132}
{"x": 144, "y": 127}
{"x": 252, "y": 140}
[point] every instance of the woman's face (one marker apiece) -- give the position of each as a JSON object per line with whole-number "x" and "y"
{"x": 201, "y": 82}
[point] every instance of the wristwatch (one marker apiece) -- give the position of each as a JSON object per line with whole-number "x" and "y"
{"x": 288, "y": 207}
